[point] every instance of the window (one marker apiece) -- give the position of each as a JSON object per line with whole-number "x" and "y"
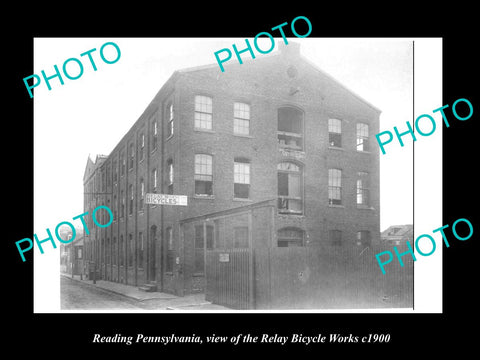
{"x": 170, "y": 119}
{"x": 123, "y": 164}
{"x": 334, "y": 186}
{"x": 240, "y": 237}
{"x": 290, "y": 193}
{"x": 362, "y": 189}
{"x": 141, "y": 201}
{"x": 362, "y": 137}
{"x": 122, "y": 207}
{"x": 199, "y": 245}
{"x": 335, "y": 237}
{"x": 203, "y": 175}
{"x": 122, "y": 251}
{"x": 335, "y": 132}
{"x": 141, "y": 141}
{"x": 363, "y": 237}
{"x": 241, "y": 178}
{"x": 170, "y": 249}
{"x": 154, "y": 133}
{"x": 131, "y": 250}
{"x": 79, "y": 253}
{"x": 170, "y": 176}
{"x": 290, "y": 128}
{"x": 140, "y": 250}
{"x": 241, "y": 118}
{"x": 115, "y": 206}
{"x": 109, "y": 179}
{"x": 203, "y": 113}
{"x": 115, "y": 171}
{"x": 154, "y": 180}
{"x": 132, "y": 156}
{"x": 130, "y": 191}
{"x": 394, "y": 230}
{"x": 290, "y": 237}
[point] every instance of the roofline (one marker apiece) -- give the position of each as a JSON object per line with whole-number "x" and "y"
{"x": 341, "y": 84}
{"x": 278, "y": 52}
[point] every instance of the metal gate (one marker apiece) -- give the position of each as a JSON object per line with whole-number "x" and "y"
{"x": 230, "y": 278}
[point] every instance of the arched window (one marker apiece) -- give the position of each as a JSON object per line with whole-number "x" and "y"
{"x": 141, "y": 145}
{"x": 130, "y": 193}
{"x": 290, "y": 128}
{"x": 170, "y": 176}
{"x": 170, "y": 117}
{"x": 290, "y": 192}
{"x": 290, "y": 237}
{"x": 141, "y": 200}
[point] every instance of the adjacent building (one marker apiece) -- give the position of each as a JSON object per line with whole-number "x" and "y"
{"x": 274, "y": 128}
{"x": 397, "y": 235}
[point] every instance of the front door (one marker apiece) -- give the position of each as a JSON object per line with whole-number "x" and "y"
{"x": 151, "y": 273}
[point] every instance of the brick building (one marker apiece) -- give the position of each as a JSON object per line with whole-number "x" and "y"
{"x": 275, "y": 127}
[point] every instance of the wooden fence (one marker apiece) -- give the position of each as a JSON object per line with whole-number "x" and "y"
{"x": 229, "y": 278}
{"x": 306, "y": 278}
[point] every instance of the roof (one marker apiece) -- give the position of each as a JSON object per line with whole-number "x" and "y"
{"x": 397, "y": 232}
{"x": 291, "y": 48}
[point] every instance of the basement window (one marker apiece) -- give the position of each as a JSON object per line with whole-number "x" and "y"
{"x": 290, "y": 237}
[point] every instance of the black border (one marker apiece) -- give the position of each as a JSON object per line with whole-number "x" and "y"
{"x": 71, "y": 334}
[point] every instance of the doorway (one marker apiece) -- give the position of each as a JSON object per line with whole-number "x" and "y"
{"x": 152, "y": 268}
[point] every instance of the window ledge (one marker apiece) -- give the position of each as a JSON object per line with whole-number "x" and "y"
{"x": 365, "y": 208}
{"x": 247, "y": 136}
{"x": 336, "y": 206}
{"x": 207, "y": 197}
{"x": 336, "y": 148}
{"x": 198, "y": 274}
{"x": 242, "y": 199}
{"x": 168, "y": 272}
{"x": 286, "y": 147}
{"x": 363, "y": 152}
{"x": 204, "y": 131}
{"x": 291, "y": 213}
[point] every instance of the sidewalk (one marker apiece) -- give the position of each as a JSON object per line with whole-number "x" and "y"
{"x": 153, "y": 300}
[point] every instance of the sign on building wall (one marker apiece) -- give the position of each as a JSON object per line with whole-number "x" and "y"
{"x": 164, "y": 199}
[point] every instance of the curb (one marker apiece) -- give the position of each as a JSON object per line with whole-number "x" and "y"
{"x": 101, "y": 288}
{"x": 170, "y": 307}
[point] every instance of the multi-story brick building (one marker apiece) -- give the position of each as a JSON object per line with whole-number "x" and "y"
{"x": 275, "y": 127}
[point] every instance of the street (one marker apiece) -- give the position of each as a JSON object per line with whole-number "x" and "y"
{"x": 77, "y": 296}
{"x": 82, "y": 295}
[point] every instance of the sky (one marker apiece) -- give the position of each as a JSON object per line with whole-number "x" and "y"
{"x": 90, "y": 115}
